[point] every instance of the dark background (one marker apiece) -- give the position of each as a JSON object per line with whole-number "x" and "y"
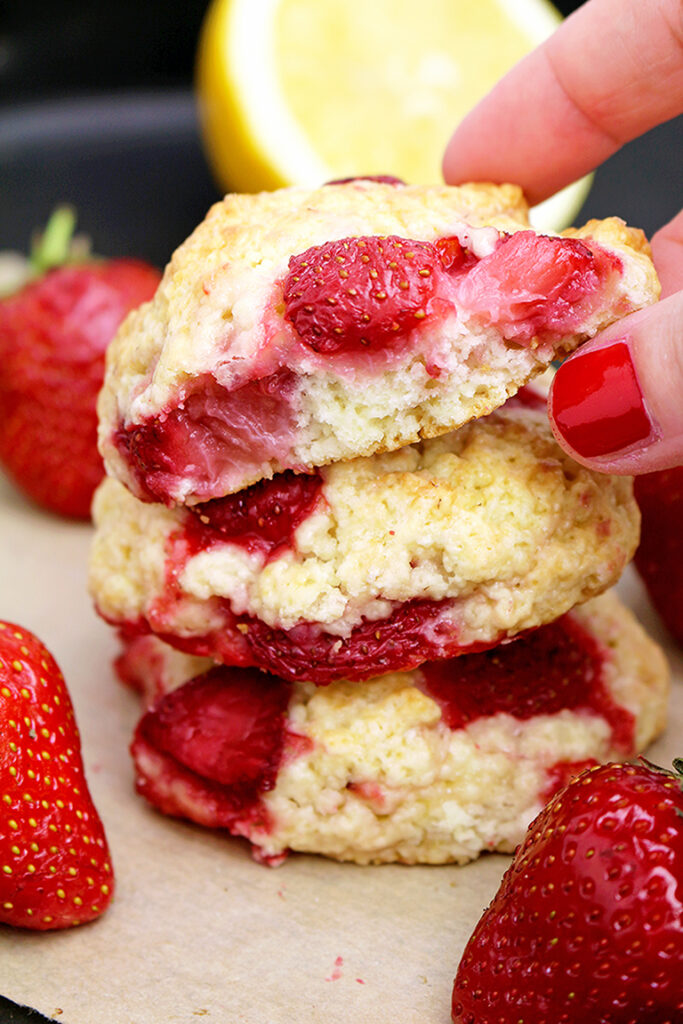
{"x": 96, "y": 108}
{"x": 65, "y": 46}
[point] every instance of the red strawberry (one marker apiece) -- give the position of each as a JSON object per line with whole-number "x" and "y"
{"x": 587, "y": 925}
{"x": 54, "y": 862}
{"x": 209, "y": 749}
{"x": 361, "y": 292}
{"x": 659, "y": 557}
{"x": 53, "y": 334}
{"x": 226, "y": 725}
{"x": 262, "y": 517}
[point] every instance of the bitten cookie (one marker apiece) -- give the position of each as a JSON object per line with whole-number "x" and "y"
{"x": 430, "y": 766}
{"x": 297, "y": 328}
{"x": 373, "y": 565}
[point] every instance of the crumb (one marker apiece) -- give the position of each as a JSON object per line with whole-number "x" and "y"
{"x": 336, "y": 973}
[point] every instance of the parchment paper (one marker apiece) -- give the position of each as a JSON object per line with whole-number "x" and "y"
{"x": 198, "y": 929}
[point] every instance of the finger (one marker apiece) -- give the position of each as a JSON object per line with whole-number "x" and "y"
{"x": 667, "y": 252}
{"x": 610, "y": 72}
{"x": 616, "y": 404}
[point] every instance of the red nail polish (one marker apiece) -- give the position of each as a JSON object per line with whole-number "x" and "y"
{"x": 597, "y": 403}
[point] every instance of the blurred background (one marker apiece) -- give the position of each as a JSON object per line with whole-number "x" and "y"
{"x": 97, "y": 108}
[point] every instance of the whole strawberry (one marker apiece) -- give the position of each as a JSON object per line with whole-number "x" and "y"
{"x": 55, "y": 868}
{"x": 660, "y": 554}
{"x": 53, "y": 335}
{"x": 588, "y": 922}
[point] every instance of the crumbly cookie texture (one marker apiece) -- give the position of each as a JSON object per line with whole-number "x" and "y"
{"x": 209, "y": 388}
{"x": 376, "y": 775}
{"x": 493, "y": 529}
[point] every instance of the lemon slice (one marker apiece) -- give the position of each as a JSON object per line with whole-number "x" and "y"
{"x": 297, "y": 92}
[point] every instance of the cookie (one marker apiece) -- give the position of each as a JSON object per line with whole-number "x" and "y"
{"x": 435, "y": 765}
{"x": 300, "y": 327}
{"x": 373, "y": 565}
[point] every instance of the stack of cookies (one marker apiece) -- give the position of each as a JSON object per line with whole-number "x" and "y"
{"x": 359, "y": 585}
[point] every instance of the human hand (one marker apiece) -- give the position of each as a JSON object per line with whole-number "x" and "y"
{"x": 613, "y": 70}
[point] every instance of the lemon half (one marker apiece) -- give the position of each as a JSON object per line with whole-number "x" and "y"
{"x": 298, "y": 92}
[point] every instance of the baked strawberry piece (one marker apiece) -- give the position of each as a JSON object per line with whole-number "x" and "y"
{"x": 375, "y": 565}
{"x": 659, "y": 558}
{"x": 53, "y": 335}
{"x": 587, "y": 923}
{"x": 297, "y": 328}
{"x": 430, "y": 766}
{"x": 55, "y": 864}
{"x": 152, "y": 668}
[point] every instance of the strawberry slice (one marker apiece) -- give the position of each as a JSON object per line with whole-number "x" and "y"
{"x": 587, "y": 923}
{"x": 55, "y": 868}
{"x": 531, "y": 284}
{"x": 358, "y": 293}
{"x": 263, "y": 517}
{"x": 226, "y": 726}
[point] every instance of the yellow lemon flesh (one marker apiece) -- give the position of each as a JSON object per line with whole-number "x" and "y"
{"x": 297, "y": 92}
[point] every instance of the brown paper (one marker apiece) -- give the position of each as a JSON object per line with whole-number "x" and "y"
{"x": 197, "y": 929}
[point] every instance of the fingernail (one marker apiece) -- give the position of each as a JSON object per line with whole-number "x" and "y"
{"x": 597, "y": 403}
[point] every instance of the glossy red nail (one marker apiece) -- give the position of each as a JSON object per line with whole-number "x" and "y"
{"x": 597, "y": 403}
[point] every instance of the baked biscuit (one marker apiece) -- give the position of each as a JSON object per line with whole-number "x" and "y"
{"x": 431, "y": 766}
{"x": 298, "y": 328}
{"x": 373, "y": 565}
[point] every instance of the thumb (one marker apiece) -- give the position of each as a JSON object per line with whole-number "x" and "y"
{"x": 617, "y": 404}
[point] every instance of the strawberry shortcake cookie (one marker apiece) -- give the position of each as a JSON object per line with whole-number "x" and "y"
{"x": 374, "y": 565}
{"x": 429, "y": 766}
{"x": 301, "y": 327}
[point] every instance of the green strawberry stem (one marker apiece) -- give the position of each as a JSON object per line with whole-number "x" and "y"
{"x": 676, "y": 774}
{"x": 57, "y": 244}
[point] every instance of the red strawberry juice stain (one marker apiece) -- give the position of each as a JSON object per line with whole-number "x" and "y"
{"x": 212, "y": 435}
{"x": 223, "y": 735}
{"x": 556, "y": 667}
{"x": 296, "y": 745}
{"x": 372, "y": 792}
{"x": 336, "y": 970}
{"x": 262, "y": 518}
